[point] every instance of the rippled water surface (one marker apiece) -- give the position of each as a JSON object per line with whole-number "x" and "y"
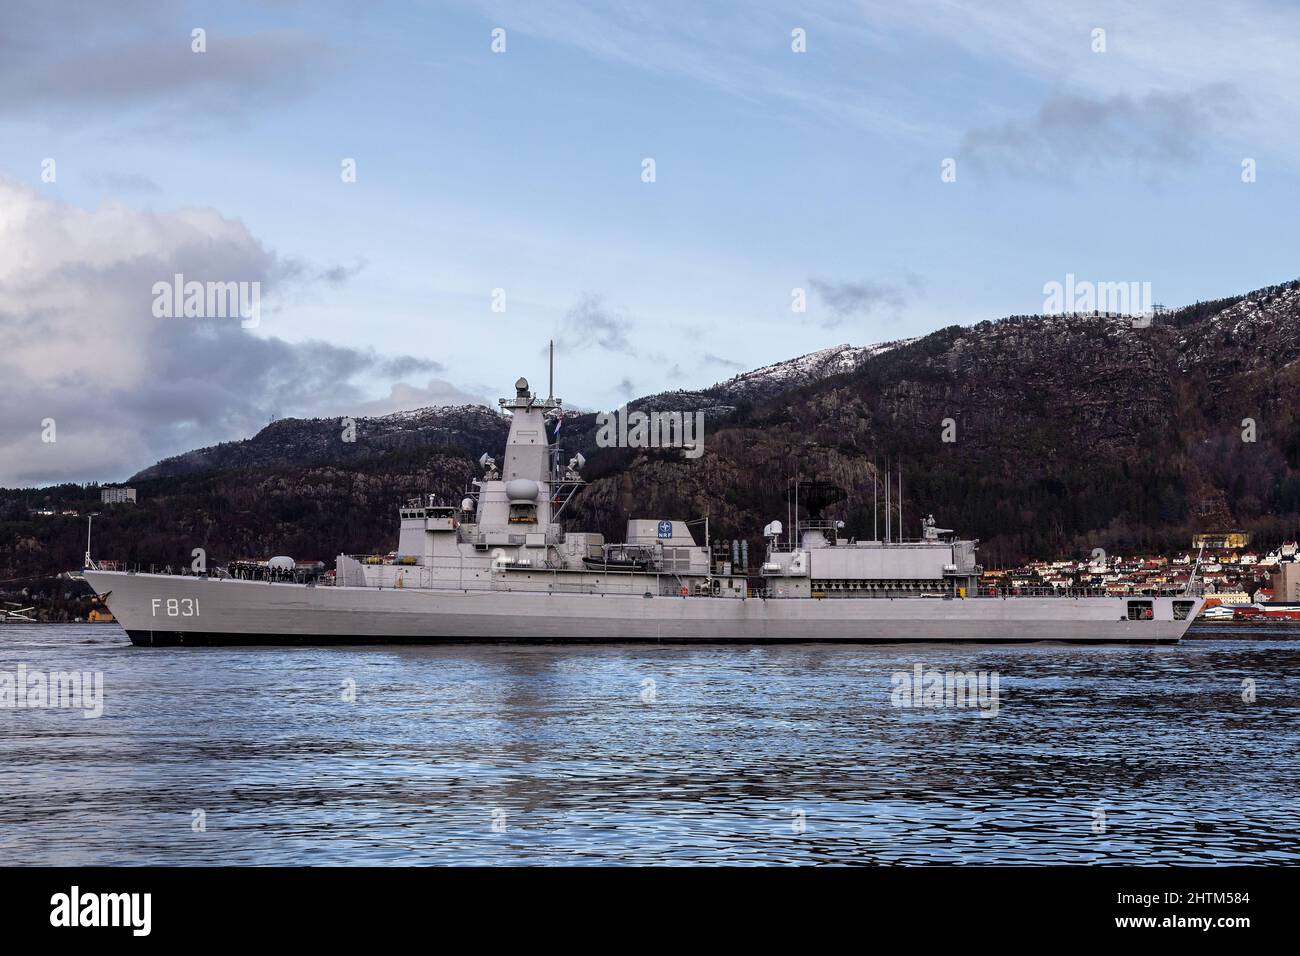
{"x": 570, "y": 755}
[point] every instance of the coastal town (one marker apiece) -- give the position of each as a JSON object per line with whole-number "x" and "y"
{"x": 1240, "y": 584}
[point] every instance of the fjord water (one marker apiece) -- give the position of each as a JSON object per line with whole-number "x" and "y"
{"x": 502, "y": 754}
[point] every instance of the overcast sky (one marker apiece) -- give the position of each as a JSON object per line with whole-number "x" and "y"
{"x": 523, "y": 171}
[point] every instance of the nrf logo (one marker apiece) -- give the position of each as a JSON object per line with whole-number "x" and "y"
{"x": 74, "y": 909}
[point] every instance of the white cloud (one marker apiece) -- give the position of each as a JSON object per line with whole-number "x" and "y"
{"x": 72, "y": 59}
{"x": 854, "y": 70}
{"x": 591, "y": 322}
{"x": 1157, "y": 52}
{"x": 79, "y": 343}
{"x": 403, "y": 397}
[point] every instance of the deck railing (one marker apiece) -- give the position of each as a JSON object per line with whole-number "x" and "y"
{"x": 666, "y": 585}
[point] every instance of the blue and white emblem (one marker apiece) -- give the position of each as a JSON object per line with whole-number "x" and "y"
{"x": 665, "y": 529}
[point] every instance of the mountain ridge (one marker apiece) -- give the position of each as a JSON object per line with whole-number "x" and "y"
{"x": 1071, "y": 432}
{"x": 467, "y": 424}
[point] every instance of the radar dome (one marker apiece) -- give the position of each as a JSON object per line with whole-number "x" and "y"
{"x": 522, "y": 489}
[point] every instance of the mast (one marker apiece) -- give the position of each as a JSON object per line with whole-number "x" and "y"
{"x": 789, "y": 508}
{"x": 888, "y": 513}
{"x": 796, "y": 511}
{"x": 89, "y": 563}
{"x": 553, "y": 448}
{"x": 1191, "y": 578}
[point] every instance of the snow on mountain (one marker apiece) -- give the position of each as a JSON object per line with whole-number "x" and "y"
{"x": 804, "y": 370}
{"x": 1248, "y": 334}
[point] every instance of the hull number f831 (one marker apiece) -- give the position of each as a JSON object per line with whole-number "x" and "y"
{"x": 176, "y": 607}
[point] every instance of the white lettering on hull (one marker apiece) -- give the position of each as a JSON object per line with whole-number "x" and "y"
{"x": 176, "y": 607}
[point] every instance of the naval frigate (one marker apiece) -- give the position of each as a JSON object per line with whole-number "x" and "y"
{"x": 499, "y": 566}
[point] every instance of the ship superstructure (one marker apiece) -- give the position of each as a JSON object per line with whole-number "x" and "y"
{"x": 499, "y": 565}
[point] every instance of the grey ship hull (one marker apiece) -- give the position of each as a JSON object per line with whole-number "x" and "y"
{"x": 160, "y": 610}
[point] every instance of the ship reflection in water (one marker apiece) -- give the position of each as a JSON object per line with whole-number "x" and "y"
{"x": 645, "y": 754}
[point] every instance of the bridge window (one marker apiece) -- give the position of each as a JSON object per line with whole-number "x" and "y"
{"x": 523, "y": 514}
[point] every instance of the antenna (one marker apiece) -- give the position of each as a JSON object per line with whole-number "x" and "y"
{"x": 550, "y": 385}
{"x": 889, "y": 482}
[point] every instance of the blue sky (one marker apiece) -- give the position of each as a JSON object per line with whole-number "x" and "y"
{"x": 522, "y": 171}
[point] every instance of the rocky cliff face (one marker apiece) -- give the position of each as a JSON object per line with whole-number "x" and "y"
{"x": 1069, "y": 432}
